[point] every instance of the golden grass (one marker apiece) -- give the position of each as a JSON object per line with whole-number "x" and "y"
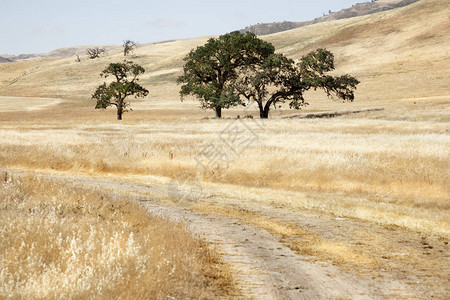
{"x": 384, "y": 160}
{"x": 26, "y": 104}
{"x": 67, "y": 242}
{"x": 394, "y": 172}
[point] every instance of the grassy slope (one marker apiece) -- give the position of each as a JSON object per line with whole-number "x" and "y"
{"x": 388, "y": 166}
{"x": 403, "y": 53}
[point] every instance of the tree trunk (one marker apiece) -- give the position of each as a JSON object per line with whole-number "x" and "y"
{"x": 264, "y": 112}
{"x": 119, "y": 107}
{"x": 261, "y": 110}
{"x": 218, "y": 112}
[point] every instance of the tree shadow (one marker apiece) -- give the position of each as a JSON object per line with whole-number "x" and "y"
{"x": 332, "y": 115}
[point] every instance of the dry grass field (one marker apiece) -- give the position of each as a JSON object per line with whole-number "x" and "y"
{"x": 383, "y": 159}
{"x": 61, "y": 241}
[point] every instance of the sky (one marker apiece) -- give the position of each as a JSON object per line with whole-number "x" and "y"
{"x": 39, "y": 26}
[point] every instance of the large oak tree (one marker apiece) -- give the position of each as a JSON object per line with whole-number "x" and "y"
{"x": 210, "y": 71}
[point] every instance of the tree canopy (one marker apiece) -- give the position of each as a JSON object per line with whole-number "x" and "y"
{"x": 125, "y": 84}
{"x": 210, "y": 71}
{"x": 278, "y": 80}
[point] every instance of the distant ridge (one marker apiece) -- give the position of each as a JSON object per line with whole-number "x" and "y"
{"x": 4, "y": 59}
{"x": 360, "y": 9}
{"x": 58, "y": 53}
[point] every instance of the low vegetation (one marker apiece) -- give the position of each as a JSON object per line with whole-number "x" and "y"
{"x": 385, "y": 171}
{"x": 66, "y": 242}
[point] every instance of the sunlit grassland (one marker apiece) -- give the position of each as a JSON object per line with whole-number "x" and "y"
{"x": 61, "y": 241}
{"x": 389, "y": 171}
{"x": 383, "y": 159}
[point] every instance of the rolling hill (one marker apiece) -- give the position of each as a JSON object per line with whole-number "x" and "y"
{"x": 57, "y": 53}
{"x": 396, "y": 54}
{"x": 361, "y": 187}
{"x": 360, "y": 9}
{"x": 4, "y": 59}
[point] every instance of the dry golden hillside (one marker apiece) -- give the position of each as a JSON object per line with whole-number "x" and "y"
{"x": 399, "y": 54}
{"x": 362, "y": 186}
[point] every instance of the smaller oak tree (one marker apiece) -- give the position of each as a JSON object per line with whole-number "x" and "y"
{"x": 115, "y": 93}
{"x": 279, "y": 80}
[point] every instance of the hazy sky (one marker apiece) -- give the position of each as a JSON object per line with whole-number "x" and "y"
{"x": 34, "y": 26}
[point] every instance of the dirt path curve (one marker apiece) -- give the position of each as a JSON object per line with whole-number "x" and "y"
{"x": 263, "y": 267}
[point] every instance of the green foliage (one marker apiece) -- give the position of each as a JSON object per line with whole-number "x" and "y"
{"x": 317, "y": 62}
{"x": 114, "y": 94}
{"x": 239, "y": 65}
{"x": 278, "y": 80}
{"x": 312, "y": 69}
{"x": 210, "y": 71}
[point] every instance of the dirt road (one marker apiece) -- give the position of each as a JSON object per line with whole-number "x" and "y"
{"x": 262, "y": 262}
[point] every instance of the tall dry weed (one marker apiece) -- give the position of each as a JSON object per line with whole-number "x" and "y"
{"x": 62, "y": 242}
